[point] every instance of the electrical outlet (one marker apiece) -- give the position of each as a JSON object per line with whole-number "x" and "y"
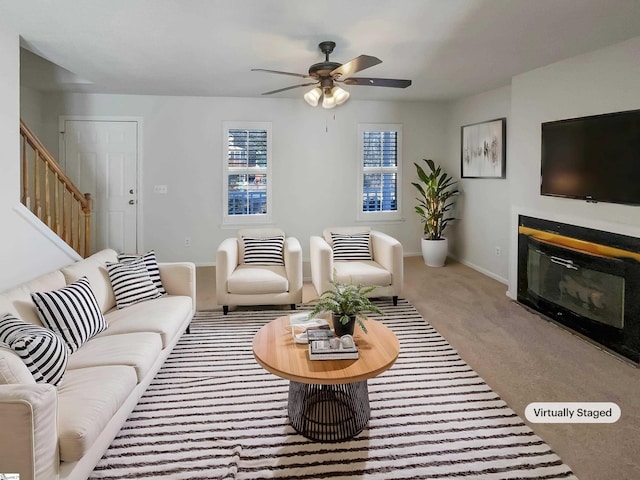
{"x": 161, "y": 189}
{"x": 498, "y": 251}
{"x": 187, "y": 241}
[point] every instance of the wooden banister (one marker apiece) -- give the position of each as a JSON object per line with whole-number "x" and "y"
{"x": 67, "y": 211}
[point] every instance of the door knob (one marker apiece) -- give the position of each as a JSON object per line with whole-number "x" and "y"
{"x": 131, "y": 191}
{"x": 132, "y": 202}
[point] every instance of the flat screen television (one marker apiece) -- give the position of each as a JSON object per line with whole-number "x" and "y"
{"x": 593, "y": 158}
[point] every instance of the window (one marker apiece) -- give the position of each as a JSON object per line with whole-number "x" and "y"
{"x": 380, "y": 159}
{"x": 247, "y": 172}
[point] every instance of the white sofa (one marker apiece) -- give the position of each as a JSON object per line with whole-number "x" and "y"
{"x": 385, "y": 268}
{"x": 49, "y": 432}
{"x": 242, "y": 283}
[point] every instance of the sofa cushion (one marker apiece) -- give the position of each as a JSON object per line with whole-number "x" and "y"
{"x": 131, "y": 283}
{"x": 351, "y": 247}
{"x": 18, "y": 300}
{"x": 137, "y": 350}
{"x": 151, "y": 262}
{"x": 94, "y": 268}
{"x": 87, "y": 400}
{"x": 363, "y": 272}
{"x": 42, "y": 351}
{"x": 164, "y": 316}
{"x": 247, "y": 280}
{"x": 72, "y": 312}
{"x": 264, "y": 251}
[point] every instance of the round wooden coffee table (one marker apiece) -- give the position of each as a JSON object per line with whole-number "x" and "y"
{"x": 328, "y": 399}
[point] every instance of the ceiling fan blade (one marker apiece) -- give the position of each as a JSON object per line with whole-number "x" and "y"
{"x": 377, "y": 82}
{"x": 280, "y": 73}
{"x": 289, "y": 88}
{"x": 355, "y": 65}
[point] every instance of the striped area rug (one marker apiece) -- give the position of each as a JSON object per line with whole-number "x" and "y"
{"x": 213, "y": 413}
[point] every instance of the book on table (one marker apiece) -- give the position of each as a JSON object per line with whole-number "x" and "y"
{"x": 324, "y": 345}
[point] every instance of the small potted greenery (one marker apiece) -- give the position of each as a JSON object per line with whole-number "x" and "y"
{"x": 348, "y": 303}
{"x": 437, "y": 197}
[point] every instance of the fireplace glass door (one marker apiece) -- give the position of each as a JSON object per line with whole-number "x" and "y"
{"x": 589, "y": 285}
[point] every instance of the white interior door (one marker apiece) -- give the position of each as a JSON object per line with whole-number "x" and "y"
{"x": 101, "y": 158}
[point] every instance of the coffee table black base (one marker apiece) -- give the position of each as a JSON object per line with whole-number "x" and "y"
{"x": 329, "y": 413}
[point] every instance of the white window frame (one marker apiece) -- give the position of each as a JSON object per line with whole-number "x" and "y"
{"x": 362, "y": 170}
{"x": 247, "y": 219}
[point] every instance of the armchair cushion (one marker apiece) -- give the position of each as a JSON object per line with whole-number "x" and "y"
{"x": 257, "y": 280}
{"x": 263, "y": 251}
{"x": 351, "y": 247}
{"x": 367, "y": 273}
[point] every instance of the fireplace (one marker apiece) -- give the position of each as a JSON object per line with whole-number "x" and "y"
{"x": 583, "y": 279}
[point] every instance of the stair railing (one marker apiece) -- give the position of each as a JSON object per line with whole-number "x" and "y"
{"x": 49, "y": 193}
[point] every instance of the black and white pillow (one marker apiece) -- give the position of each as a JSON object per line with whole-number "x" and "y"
{"x": 131, "y": 283}
{"x": 72, "y": 312}
{"x": 42, "y": 351}
{"x": 264, "y": 251}
{"x": 351, "y": 247}
{"x": 151, "y": 262}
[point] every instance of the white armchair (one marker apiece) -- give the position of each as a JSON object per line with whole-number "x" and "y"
{"x": 382, "y": 265}
{"x": 259, "y": 267}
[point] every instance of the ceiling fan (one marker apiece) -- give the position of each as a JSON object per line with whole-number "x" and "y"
{"x": 327, "y": 74}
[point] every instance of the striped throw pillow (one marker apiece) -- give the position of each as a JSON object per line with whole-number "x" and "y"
{"x": 72, "y": 312}
{"x": 151, "y": 262}
{"x": 131, "y": 283}
{"x": 351, "y": 247}
{"x": 42, "y": 351}
{"x": 264, "y": 251}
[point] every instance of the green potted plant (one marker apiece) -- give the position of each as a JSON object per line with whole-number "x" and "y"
{"x": 437, "y": 197}
{"x": 348, "y": 303}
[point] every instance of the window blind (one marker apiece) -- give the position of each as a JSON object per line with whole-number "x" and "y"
{"x": 247, "y": 172}
{"x": 380, "y": 175}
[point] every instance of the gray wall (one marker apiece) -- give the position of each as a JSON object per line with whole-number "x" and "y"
{"x": 314, "y": 163}
{"x": 606, "y": 80}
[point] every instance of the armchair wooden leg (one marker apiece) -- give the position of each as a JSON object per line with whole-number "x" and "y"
{"x": 395, "y": 300}
{"x": 225, "y": 309}
{"x": 293, "y": 306}
{"x": 188, "y": 329}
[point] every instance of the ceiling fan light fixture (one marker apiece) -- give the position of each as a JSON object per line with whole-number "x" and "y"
{"x": 313, "y": 96}
{"x": 340, "y": 95}
{"x": 328, "y": 101}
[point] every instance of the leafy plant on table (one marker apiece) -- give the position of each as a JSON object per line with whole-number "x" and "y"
{"x": 346, "y": 300}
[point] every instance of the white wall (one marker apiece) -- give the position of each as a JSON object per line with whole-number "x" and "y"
{"x": 483, "y": 208}
{"x": 24, "y": 252}
{"x": 603, "y": 81}
{"x": 31, "y": 109}
{"x": 314, "y": 169}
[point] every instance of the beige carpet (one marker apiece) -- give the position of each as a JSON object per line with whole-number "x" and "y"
{"x": 524, "y": 359}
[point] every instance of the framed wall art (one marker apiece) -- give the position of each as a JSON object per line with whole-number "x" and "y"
{"x": 483, "y": 149}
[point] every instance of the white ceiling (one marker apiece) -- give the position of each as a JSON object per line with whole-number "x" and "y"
{"x": 449, "y": 48}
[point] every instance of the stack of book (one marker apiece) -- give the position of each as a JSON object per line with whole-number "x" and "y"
{"x": 324, "y": 345}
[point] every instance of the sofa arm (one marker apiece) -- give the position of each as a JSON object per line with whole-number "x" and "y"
{"x": 293, "y": 263}
{"x": 321, "y": 258}
{"x": 29, "y": 440}
{"x": 179, "y": 278}
{"x": 388, "y": 252}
